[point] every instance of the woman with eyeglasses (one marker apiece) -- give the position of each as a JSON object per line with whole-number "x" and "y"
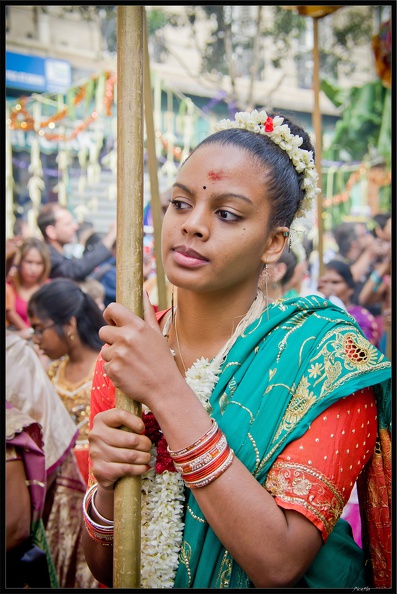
{"x": 65, "y": 322}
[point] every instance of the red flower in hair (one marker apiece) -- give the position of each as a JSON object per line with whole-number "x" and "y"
{"x": 269, "y": 127}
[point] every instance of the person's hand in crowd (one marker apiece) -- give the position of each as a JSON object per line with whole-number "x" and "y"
{"x": 110, "y": 237}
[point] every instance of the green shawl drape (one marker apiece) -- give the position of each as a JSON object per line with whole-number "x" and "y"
{"x": 293, "y": 362}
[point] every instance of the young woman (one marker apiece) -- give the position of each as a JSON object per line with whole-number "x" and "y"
{"x": 258, "y": 417}
{"x": 66, "y": 321}
{"x": 31, "y": 272}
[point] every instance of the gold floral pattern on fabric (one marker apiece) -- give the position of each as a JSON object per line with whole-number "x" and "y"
{"x": 307, "y": 487}
{"x": 358, "y": 354}
{"x": 225, "y": 571}
{"x": 184, "y": 558}
{"x": 75, "y": 397}
{"x": 298, "y": 406}
{"x": 293, "y": 324}
{"x": 224, "y": 401}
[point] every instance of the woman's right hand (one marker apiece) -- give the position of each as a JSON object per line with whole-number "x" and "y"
{"x": 116, "y": 452}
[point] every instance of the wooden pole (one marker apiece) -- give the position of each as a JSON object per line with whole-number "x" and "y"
{"x": 127, "y": 502}
{"x": 318, "y": 143}
{"x": 152, "y": 167}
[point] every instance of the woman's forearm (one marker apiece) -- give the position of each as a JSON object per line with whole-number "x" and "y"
{"x": 100, "y": 556}
{"x": 261, "y": 536}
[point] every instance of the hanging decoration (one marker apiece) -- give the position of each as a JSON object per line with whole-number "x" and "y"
{"x": 35, "y": 184}
{"x": 371, "y": 174}
{"x": 63, "y": 160}
{"x": 22, "y": 119}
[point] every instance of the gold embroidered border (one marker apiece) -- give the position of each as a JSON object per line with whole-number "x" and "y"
{"x": 319, "y": 496}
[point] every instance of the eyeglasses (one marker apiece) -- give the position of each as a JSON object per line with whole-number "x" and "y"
{"x": 39, "y": 331}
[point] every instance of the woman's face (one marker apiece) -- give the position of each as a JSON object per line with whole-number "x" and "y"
{"x": 332, "y": 283}
{"x": 47, "y": 338}
{"x": 214, "y": 231}
{"x": 31, "y": 267}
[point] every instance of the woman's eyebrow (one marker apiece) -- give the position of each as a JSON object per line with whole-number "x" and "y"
{"x": 232, "y": 195}
{"x": 214, "y": 196}
{"x": 183, "y": 187}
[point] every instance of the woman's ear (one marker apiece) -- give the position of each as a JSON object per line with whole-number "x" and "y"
{"x": 275, "y": 245}
{"x": 71, "y": 326}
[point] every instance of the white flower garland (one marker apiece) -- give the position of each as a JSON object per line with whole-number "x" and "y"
{"x": 260, "y": 123}
{"x": 163, "y": 495}
{"x": 163, "y": 499}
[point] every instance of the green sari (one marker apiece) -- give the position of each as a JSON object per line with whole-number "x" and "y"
{"x": 298, "y": 358}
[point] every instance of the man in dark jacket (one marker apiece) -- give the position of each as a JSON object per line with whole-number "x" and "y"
{"x": 58, "y": 228}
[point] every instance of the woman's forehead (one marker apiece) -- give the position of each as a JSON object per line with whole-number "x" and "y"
{"x": 219, "y": 162}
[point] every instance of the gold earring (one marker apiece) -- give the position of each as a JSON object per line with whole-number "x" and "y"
{"x": 266, "y": 290}
{"x": 71, "y": 336}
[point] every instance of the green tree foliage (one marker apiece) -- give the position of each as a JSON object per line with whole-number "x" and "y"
{"x": 364, "y": 129}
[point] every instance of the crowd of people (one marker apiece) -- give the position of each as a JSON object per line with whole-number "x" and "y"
{"x": 267, "y": 476}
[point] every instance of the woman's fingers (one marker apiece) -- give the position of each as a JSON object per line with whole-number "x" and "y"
{"x": 149, "y": 315}
{"x": 114, "y": 452}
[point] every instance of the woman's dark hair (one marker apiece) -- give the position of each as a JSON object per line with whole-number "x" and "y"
{"x": 379, "y": 220}
{"x": 59, "y": 301}
{"x": 343, "y": 270}
{"x": 283, "y": 182}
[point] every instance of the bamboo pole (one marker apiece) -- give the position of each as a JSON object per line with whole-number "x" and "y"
{"x": 152, "y": 167}
{"x": 318, "y": 138}
{"x": 127, "y": 503}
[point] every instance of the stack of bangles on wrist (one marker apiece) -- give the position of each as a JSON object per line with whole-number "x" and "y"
{"x": 102, "y": 534}
{"x": 207, "y": 458}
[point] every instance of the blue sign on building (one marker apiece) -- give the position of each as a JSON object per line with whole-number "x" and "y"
{"x": 36, "y": 74}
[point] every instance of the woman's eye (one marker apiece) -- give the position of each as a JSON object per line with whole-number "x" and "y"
{"x": 179, "y": 204}
{"x": 226, "y": 215}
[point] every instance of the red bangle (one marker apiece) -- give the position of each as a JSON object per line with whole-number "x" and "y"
{"x": 197, "y": 444}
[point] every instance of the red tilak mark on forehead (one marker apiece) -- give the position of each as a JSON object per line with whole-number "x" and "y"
{"x": 215, "y": 175}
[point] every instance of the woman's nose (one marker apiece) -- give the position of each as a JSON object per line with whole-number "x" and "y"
{"x": 196, "y": 223}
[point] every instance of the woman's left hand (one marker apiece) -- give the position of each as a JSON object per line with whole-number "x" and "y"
{"x": 137, "y": 357}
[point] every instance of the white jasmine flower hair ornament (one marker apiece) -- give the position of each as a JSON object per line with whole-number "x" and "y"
{"x": 303, "y": 161}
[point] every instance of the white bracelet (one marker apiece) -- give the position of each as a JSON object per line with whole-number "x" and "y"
{"x": 104, "y": 520}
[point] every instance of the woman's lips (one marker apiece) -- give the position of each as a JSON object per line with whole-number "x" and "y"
{"x": 188, "y": 258}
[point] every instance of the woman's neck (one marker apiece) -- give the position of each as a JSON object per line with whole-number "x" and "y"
{"x": 81, "y": 354}
{"x": 203, "y": 323}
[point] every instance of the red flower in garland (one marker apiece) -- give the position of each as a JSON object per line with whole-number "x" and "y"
{"x": 154, "y": 433}
{"x": 269, "y": 127}
{"x": 163, "y": 460}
